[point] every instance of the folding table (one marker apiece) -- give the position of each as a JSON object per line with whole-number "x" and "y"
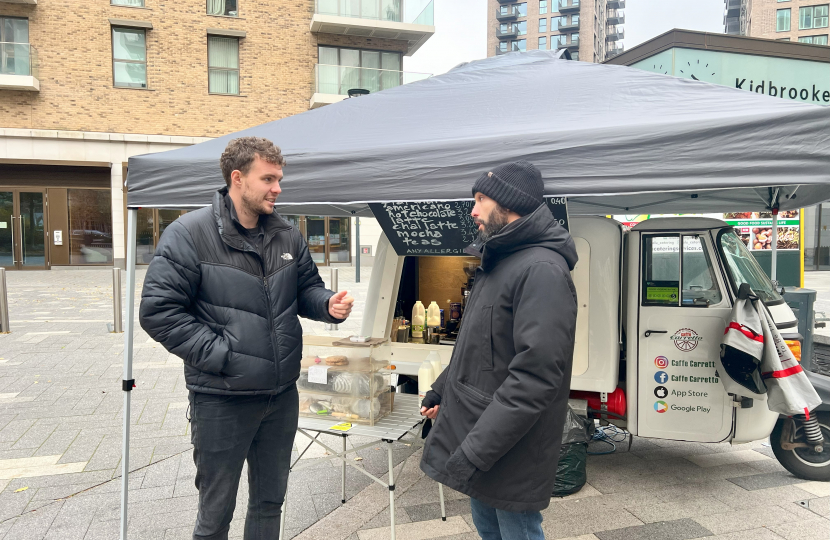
{"x": 402, "y": 422}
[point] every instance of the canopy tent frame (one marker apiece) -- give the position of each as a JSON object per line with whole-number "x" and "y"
{"x": 704, "y": 148}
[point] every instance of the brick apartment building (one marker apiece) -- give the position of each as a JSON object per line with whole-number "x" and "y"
{"x": 591, "y": 30}
{"x": 85, "y": 85}
{"x": 805, "y": 21}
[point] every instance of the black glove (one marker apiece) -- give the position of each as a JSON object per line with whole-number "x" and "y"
{"x": 431, "y": 399}
{"x": 459, "y": 467}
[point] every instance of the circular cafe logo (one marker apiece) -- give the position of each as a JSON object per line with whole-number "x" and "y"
{"x": 686, "y": 339}
{"x": 661, "y": 362}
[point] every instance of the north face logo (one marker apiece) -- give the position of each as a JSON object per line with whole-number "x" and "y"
{"x": 287, "y": 257}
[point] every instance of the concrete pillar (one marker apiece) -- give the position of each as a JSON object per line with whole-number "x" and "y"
{"x": 117, "y": 190}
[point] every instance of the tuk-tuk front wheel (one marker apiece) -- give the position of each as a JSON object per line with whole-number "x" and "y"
{"x": 788, "y": 443}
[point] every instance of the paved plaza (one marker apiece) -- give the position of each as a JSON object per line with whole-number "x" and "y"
{"x": 60, "y": 451}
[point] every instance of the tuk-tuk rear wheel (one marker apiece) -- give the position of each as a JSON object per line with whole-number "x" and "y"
{"x": 804, "y": 462}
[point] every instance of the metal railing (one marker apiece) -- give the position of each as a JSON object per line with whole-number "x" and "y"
{"x": 616, "y": 16}
{"x": 509, "y": 13}
{"x": 563, "y": 41}
{"x": 614, "y": 33}
{"x": 512, "y": 31}
{"x": 405, "y": 11}
{"x": 615, "y": 4}
{"x": 340, "y": 79}
{"x": 18, "y": 59}
{"x": 564, "y": 25}
{"x": 567, "y": 5}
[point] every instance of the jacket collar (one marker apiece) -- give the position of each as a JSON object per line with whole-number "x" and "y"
{"x": 271, "y": 224}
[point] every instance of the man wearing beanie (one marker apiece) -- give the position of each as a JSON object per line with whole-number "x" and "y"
{"x": 500, "y": 407}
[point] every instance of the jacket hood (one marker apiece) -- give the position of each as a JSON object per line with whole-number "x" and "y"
{"x": 537, "y": 229}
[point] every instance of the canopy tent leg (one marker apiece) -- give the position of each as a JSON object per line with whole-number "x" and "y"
{"x": 127, "y": 382}
{"x": 774, "y": 266}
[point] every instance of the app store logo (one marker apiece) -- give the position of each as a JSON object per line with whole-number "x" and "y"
{"x": 661, "y": 406}
{"x": 661, "y": 377}
{"x": 661, "y": 362}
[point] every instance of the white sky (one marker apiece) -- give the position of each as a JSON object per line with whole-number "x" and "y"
{"x": 461, "y": 28}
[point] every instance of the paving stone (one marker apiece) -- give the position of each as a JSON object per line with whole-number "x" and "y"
{"x": 431, "y": 511}
{"x": 419, "y": 531}
{"x": 34, "y": 525}
{"x": 744, "y": 520}
{"x": 682, "y": 529}
{"x": 814, "y": 529}
{"x": 751, "y": 534}
{"x": 689, "y": 508}
{"x": 819, "y": 506}
{"x": 764, "y": 481}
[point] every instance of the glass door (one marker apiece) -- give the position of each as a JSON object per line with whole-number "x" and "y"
{"x": 316, "y": 231}
{"x": 23, "y": 229}
{"x": 32, "y": 226}
{"x": 7, "y": 257}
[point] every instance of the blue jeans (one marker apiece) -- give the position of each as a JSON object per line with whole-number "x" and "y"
{"x": 228, "y": 430}
{"x": 493, "y": 524}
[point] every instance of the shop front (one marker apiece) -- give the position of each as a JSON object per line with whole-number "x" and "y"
{"x": 55, "y": 216}
{"x": 329, "y": 238}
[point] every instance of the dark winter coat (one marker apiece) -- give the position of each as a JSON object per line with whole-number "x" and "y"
{"x": 227, "y": 310}
{"x": 504, "y": 395}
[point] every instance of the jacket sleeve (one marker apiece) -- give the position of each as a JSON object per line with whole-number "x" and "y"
{"x": 544, "y": 325}
{"x": 171, "y": 284}
{"x": 312, "y": 295}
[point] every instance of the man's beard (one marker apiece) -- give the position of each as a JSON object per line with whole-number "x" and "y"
{"x": 493, "y": 226}
{"x": 253, "y": 205}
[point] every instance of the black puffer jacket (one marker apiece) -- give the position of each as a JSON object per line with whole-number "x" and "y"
{"x": 229, "y": 312}
{"x": 504, "y": 395}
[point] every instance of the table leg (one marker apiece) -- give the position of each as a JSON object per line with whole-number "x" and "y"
{"x": 391, "y": 491}
{"x": 441, "y": 496}
{"x": 343, "y": 479}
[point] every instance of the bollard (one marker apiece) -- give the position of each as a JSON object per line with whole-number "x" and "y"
{"x": 334, "y": 287}
{"x": 117, "y": 326}
{"x": 5, "y": 327}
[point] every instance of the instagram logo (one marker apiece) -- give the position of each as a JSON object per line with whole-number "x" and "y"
{"x": 661, "y": 362}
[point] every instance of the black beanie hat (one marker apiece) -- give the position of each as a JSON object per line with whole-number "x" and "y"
{"x": 516, "y": 186}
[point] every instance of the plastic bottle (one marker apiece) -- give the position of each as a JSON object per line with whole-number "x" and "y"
{"x": 425, "y": 378}
{"x": 434, "y": 315}
{"x": 418, "y": 320}
{"x": 435, "y": 359}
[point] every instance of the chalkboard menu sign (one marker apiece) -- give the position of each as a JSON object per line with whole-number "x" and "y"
{"x": 439, "y": 228}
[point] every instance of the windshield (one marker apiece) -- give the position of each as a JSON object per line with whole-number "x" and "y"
{"x": 743, "y": 268}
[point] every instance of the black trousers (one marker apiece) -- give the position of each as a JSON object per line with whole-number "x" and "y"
{"x": 227, "y": 430}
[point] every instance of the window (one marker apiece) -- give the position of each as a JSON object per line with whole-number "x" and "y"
{"x": 128, "y": 3}
{"x": 90, "y": 226}
{"x": 341, "y": 70}
{"x": 223, "y": 65}
{"x": 503, "y": 10}
{"x": 519, "y": 45}
{"x": 575, "y": 56}
{"x": 678, "y": 277}
{"x": 543, "y": 43}
{"x": 543, "y": 25}
{"x": 504, "y": 28}
{"x": 14, "y": 50}
{"x": 554, "y": 24}
{"x": 782, "y": 20}
{"x": 224, "y": 8}
{"x": 815, "y": 40}
{"x": 129, "y": 57}
{"x": 783, "y": 39}
{"x": 743, "y": 268}
{"x": 543, "y": 7}
{"x": 813, "y": 17}
{"x": 502, "y": 46}
{"x": 522, "y": 9}
{"x": 522, "y": 27}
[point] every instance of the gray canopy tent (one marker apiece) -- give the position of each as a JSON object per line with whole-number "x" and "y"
{"x": 613, "y": 139}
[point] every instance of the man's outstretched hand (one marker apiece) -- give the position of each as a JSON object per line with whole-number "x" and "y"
{"x": 340, "y": 305}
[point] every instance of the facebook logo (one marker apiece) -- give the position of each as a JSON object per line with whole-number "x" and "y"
{"x": 661, "y": 377}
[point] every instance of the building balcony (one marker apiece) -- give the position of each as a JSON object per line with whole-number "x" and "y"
{"x": 614, "y": 33}
{"x": 332, "y": 83}
{"x": 615, "y": 16}
{"x": 408, "y": 20}
{"x": 568, "y": 6}
{"x": 511, "y": 33}
{"x": 615, "y": 4}
{"x": 507, "y": 1}
{"x": 508, "y": 14}
{"x": 571, "y": 44}
{"x": 568, "y": 26}
{"x": 612, "y": 51}
{"x": 733, "y": 8}
{"x": 732, "y": 25}
{"x": 18, "y": 67}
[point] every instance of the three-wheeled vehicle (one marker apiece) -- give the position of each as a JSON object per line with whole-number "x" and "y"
{"x": 654, "y": 302}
